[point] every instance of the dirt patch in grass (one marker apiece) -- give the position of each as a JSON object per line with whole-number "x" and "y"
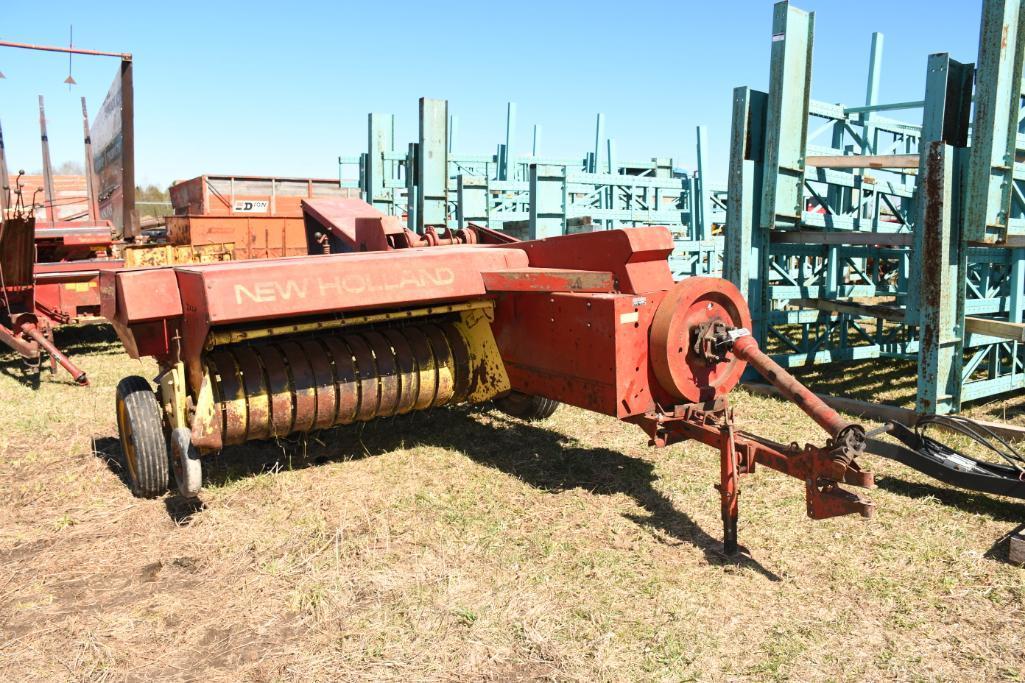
{"x": 460, "y": 544}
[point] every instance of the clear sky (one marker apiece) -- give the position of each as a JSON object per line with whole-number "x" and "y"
{"x": 284, "y": 88}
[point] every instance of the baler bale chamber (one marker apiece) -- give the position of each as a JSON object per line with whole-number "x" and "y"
{"x": 265, "y": 349}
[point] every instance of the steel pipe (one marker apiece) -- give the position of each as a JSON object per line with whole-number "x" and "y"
{"x": 37, "y": 336}
{"x": 746, "y": 348}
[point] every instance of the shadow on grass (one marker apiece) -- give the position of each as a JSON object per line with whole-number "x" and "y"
{"x": 1000, "y": 408}
{"x": 1001, "y": 550}
{"x": 969, "y": 501}
{"x": 880, "y": 380}
{"x": 544, "y": 459}
{"x": 183, "y": 510}
{"x": 14, "y": 366}
{"x": 94, "y": 339}
{"x": 180, "y": 510}
{"x": 891, "y": 381}
{"x": 108, "y": 449}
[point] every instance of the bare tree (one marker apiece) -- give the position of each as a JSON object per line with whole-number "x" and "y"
{"x": 70, "y": 168}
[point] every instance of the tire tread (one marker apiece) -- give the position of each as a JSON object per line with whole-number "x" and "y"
{"x": 151, "y": 453}
{"x": 531, "y": 408}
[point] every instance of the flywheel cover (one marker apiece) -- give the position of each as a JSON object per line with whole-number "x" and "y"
{"x": 678, "y": 368}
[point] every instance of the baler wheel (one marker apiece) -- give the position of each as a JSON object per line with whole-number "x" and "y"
{"x": 527, "y": 407}
{"x": 140, "y": 425}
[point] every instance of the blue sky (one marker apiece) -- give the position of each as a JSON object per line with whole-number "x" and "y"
{"x": 284, "y": 88}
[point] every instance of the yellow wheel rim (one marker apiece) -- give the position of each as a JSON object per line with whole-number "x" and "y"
{"x": 127, "y": 447}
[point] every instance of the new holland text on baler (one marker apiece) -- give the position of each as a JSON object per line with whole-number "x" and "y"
{"x": 263, "y": 349}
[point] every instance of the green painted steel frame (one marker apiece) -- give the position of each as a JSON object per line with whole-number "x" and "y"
{"x": 505, "y": 192}
{"x": 923, "y": 250}
{"x": 995, "y": 179}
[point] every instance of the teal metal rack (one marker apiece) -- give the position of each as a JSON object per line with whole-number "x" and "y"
{"x": 855, "y": 235}
{"x": 531, "y": 196}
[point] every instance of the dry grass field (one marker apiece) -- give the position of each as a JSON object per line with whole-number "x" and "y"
{"x": 462, "y": 545}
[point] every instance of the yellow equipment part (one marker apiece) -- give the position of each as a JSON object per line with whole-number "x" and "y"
{"x": 149, "y": 255}
{"x": 280, "y": 385}
{"x": 173, "y": 395}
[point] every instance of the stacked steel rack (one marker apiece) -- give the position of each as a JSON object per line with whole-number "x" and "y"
{"x": 532, "y": 196}
{"x": 857, "y": 236}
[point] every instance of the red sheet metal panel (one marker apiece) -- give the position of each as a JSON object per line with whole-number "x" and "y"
{"x": 17, "y": 251}
{"x": 254, "y": 237}
{"x": 144, "y": 308}
{"x": 132, "y": 296}
{"x": 338, "y": 215}
{"x": 76, "y": 233}
{"x": 637, "y": 257}
{"x": 232, "y": 292}
{"x": 588, "y": 350}
{"x": 69, "y": 291}
{"x": 187, "y": 196}
{"x": 548, "y": 280}
{"x": 69, "y": 301}
{"x": 225, "y": 195}
{"x": 73, "y": 269}
{"x": 373, "y": 233}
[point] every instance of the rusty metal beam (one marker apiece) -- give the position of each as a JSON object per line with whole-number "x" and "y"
{"x": 891, "y": 313}
{"x": 990, "y": 327}
{"x": 996, "y": 328}
{"x": 863, "y": 161}
{"x": 48, "y": 193}
{"x": 67, "y": 50}
{"x": 889, "y": 239}
{"x": 129, "y": 216}
{"x": 90, "y": 171}
{"x": 881, "y": 412}
{"x": 5, "y": 182}
{"x": 25, "y": 348}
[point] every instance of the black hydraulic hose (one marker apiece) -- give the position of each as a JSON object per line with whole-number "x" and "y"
{"x": 978, "y": 433}
{"x": 937, "y": 460}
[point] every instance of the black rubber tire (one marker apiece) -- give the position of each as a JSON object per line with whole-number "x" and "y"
{"x": 527, "y": 407}
{"x": 140, "y": 424}
{"x": 185, "y": 463}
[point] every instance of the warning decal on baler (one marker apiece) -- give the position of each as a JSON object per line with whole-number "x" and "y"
{"x": 625, "y": 318}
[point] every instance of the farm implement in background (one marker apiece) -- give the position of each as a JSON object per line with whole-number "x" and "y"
{"x": 22, "y": 326}
{"x": 51, "y": 253}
